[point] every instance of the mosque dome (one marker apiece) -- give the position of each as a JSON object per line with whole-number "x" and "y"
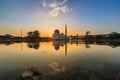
{"x": 57, "y": 31}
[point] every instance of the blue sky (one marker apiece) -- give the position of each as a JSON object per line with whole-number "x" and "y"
{"x": 98, "y": 16}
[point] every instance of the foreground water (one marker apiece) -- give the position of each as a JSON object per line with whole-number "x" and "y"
{"x": 60, "y": 61}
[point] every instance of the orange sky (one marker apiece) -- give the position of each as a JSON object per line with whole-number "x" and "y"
{"x": 47, "y": 32}
{"x": 42, "y": 33}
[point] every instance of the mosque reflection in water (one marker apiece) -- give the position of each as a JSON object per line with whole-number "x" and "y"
{"x": 57, "y": 44}
{"x": 61, "y": 43}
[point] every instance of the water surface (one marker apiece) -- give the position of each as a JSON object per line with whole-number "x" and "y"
{"x": 58, "y": 60}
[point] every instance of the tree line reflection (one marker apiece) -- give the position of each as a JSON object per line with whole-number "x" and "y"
{"x": 58, "y": 43}
{"x": 34, "y": 45}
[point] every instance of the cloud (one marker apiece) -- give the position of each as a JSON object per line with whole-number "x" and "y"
{"x": 56, "y": 8}
{"x": 56, "y": 68}
{"x": 44, "y": 3}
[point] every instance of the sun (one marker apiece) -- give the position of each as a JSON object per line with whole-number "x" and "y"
{"x": 50, "y": 35}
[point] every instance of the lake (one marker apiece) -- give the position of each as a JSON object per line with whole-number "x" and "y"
{"x": 59, "y": 60}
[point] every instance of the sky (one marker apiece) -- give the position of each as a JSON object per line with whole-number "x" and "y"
{"x": 96, "y": 16}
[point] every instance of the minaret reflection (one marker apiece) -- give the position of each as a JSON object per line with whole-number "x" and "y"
{"x": 65, "y": 48}
{"x": 21, "y": 46}
{"x": 58, "y": 43}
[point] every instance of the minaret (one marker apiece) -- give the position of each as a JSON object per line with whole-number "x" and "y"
{"x": 65, "y": 31}
{"x": 21, "y": 33}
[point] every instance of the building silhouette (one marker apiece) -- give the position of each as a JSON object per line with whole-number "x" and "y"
{"x": 59, "y": 36}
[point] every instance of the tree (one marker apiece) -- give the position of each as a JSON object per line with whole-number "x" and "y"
{"x": 87, "y": 34}
{"x": 33, "y": 34}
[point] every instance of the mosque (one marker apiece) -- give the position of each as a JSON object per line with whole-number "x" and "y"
{"x": 59, "y": 36}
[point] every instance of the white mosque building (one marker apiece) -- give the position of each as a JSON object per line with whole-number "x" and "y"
{"x": 57, "y": 36}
